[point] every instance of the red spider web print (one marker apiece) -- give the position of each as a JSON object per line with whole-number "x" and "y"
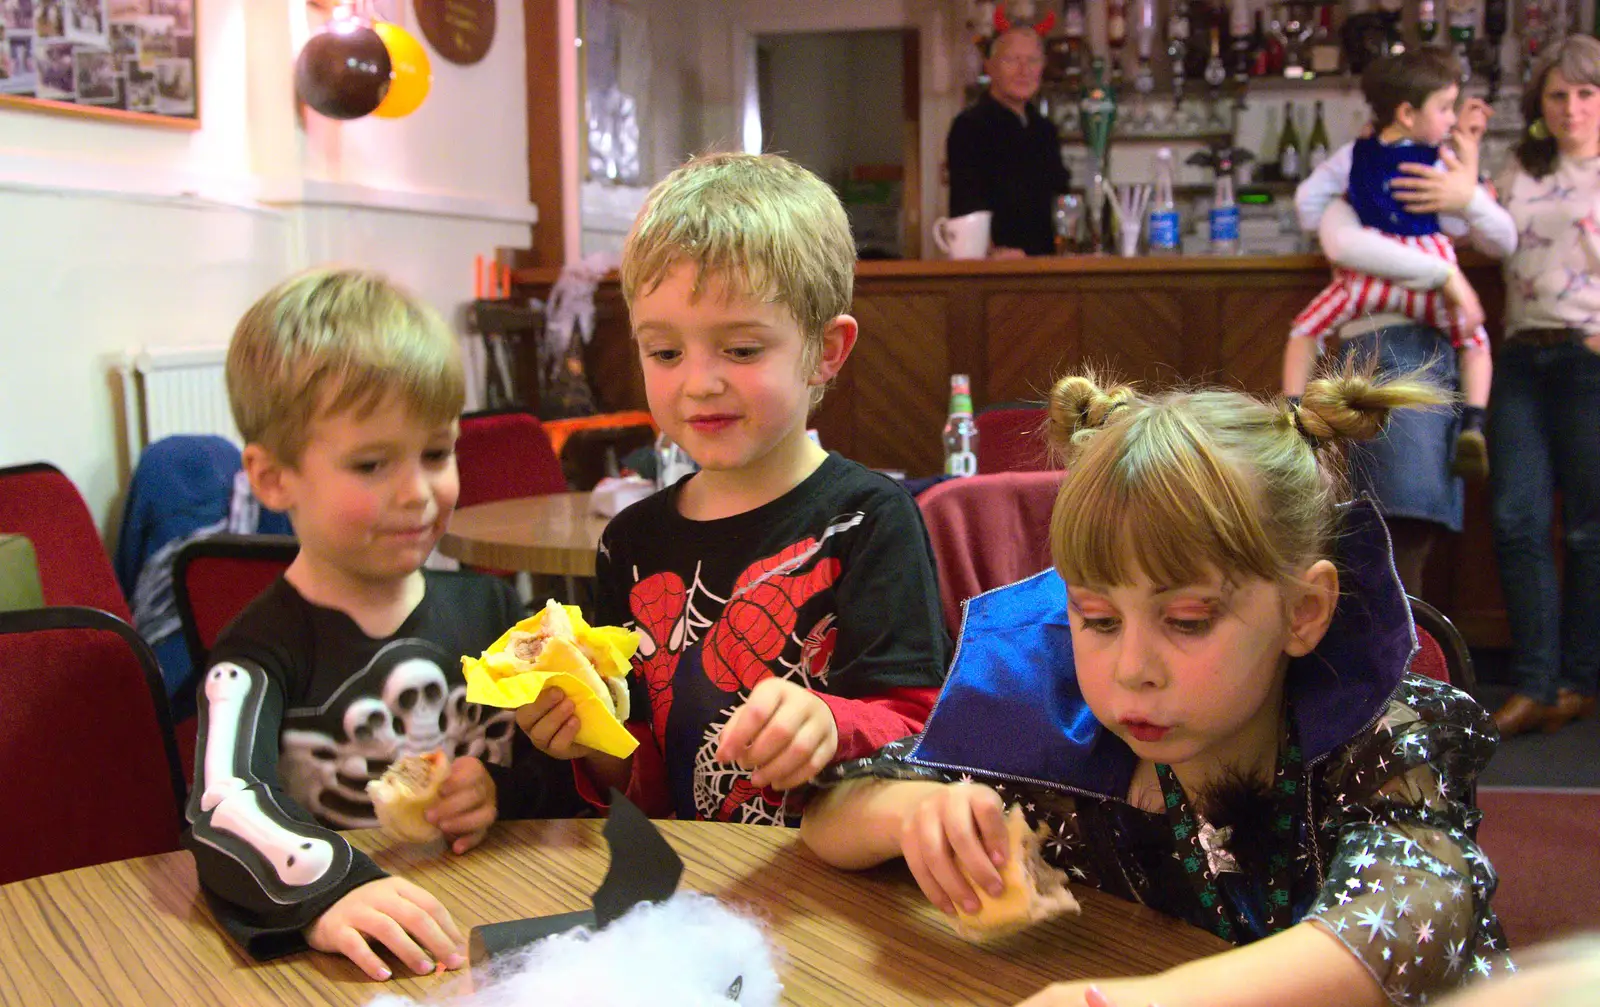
{"x": 760, "y": 617}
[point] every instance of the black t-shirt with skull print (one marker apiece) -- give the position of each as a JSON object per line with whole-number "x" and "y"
{"x": 300, "y": 709}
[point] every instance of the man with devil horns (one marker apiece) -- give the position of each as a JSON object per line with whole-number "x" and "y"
{"x": 1003, "y": 155}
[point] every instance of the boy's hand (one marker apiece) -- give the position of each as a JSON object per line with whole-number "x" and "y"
{"x": 955, "y": 833}
{"x": 1458, "y": 291}
{"x": 412, "y": 924}
{"x": 1135, "y": 992}
{"x": 784, "y": 733}
{"x": 466, "y": 806}
{"x": 551, "y": 723}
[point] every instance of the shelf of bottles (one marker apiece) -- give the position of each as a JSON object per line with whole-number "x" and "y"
{"x": 1208, "y": 78}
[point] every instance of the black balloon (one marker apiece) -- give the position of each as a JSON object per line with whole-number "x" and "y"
{"x": 343, "y": 72}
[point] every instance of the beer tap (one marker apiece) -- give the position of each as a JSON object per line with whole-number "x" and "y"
{"x": 1144, "y": 82}
{"x": 1116, "y": 37}
{"x": 1239, "y": 46}
{"x": 1216, "y": 74}
{"x": 1463, "y": 26}
{"x": 1177, "y": 50}
{"x": 1494, "y": 30}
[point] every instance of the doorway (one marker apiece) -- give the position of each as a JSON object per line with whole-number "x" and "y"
{"x": 845, "y": 105}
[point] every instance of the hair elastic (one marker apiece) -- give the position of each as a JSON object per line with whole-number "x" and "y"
{"x": 1300, "y": 425}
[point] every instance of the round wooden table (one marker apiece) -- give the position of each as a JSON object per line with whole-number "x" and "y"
{"x": 138, "y": 932}
{"x": 553, "y": 534}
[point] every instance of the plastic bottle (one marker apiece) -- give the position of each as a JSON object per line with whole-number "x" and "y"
{"x": 960, "y": 432}
{"x": 1165, "y": 237}
{"x": 1224, "y": 218}
{"x": 672, "y": 461}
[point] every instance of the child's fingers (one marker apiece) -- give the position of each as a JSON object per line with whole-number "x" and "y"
{"x": 747, "y": 722}
{"x": 392, "y": 934}
{"x": 786, "y": 728}
{"x": 435, "y": 932}
{"x": 349, "y": 942}
{"x": 804, "y": 758}
{"x": 541, "y": 706}
{"x": 973, "y": 852}
{"x": 459, "y": 819}
{"x": 468, "y": 841}
{"x": 989, "y": 812}
{"x": 938, "y": 858}
{"x": 439, "y": 928}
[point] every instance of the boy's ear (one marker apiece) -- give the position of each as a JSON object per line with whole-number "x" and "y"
{"x": 1311, "y": 611}
{"x": 266, "y": 474}
{"x": 838, "y": 339}
{"x": 1405, "y": 114}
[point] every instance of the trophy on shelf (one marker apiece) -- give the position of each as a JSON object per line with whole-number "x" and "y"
{"x": 1097, "y": 115}
{"x": 1486, "y": 55}
{"x": 1177, "y": 55}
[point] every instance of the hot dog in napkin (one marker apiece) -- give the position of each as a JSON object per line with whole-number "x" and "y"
{"x": 556, "y": 647}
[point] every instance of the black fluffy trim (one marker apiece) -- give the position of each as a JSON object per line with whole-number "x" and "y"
{"x": 1246, "y": 806}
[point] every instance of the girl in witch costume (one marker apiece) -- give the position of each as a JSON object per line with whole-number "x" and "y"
{"x": 1207, "y": 704}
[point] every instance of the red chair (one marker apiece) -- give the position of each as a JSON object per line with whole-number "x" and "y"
{"x": 1011, "y": 439}
{"x": 987, "y": 531}
{"x": 40, "y": 502}
{"x": 213, "y": 579}
{"x": 505, "y": 453}
{"x": 1441, "y": 651}
{"x": 91, "y": 770}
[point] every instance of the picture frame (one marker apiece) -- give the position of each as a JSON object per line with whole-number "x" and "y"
{"x": 124, "y": 60}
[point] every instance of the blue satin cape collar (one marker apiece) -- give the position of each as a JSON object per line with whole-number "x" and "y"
{"x": 1011, "y": 706}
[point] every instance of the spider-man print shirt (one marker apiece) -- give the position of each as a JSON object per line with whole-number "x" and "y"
{"x": 830, "y": 586}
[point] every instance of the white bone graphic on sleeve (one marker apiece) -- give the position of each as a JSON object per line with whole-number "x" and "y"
{"x": 227, "y": 686}
{"x": 298, "y": 860}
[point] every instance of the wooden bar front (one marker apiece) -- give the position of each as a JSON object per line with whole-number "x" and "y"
{"x": 1015, "y": 325}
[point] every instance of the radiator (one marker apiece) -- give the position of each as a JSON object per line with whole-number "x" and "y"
{"x": 175, "y": 391}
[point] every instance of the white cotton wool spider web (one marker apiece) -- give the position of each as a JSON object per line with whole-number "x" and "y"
{"x": 690, "y": 951}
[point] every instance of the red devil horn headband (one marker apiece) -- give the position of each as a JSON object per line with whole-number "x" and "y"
{"x": 1002, "y": 24}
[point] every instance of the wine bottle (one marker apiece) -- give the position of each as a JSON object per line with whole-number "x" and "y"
{"x": 1317, "y": 145}
{"x": 1289, "y": 146}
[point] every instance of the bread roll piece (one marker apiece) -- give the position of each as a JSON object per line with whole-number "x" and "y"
{"x": 409, "y": 787}
{"x": 590, "y": 654}
{"x": 1034, "y": 890}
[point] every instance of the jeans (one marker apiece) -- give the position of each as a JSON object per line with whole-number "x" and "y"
{"x": 1544, "y": 435}
{"x": 1407, "y": 469}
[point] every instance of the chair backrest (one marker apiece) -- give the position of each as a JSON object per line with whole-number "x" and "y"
{"x": 1011, "y": 439}
{"x": 1442, "y": 652}
{"x": 987, "y": 531}
{"x": 91, "y": 769}
{"x": 215, "y": 577}
{"x": 503, "y": 454}
{"x": 39, "y": 501}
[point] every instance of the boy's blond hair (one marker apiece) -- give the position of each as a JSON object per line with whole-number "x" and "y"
{"x": 758, "y": 224}
{"x": 330, "y": 340}
{"x": 1181, "y": 482}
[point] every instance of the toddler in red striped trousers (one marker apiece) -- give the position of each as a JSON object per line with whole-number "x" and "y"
{"x": 1413, "y": 97}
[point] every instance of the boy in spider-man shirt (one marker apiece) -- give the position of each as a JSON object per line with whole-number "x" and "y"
{"x": 784, "y": 596}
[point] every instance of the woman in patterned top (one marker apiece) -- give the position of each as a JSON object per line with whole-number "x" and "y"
{"x": 1543, "y": 415}
{"x": 1207, "y": 705}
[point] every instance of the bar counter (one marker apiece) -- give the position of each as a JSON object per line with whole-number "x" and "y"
{"x": 1014, "y": 325}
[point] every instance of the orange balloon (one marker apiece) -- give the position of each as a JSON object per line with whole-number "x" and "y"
{"x": 412, "y": 74}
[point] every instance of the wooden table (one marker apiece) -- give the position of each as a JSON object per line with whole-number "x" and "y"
{"x": 552, "y": 534}
{"x": 137, "y": 931}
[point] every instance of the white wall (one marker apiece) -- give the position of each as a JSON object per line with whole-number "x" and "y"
{"x": 118, "y": 236}
{"x": 700, "y": 59}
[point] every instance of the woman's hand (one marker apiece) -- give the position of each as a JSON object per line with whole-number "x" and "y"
{"x": 954, "y": 834}
{"x": 1473, "y": 121}
{"x": 1426, "y": 189}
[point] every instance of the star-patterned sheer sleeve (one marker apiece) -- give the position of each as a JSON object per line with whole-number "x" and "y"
{"x": 1407, "y": 888}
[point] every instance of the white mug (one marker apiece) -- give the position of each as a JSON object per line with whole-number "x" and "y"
{"x": 965, "y": 237}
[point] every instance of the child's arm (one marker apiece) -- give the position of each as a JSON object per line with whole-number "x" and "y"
{"x": 886, "y": 664}
{"x": 1324, "y": 185}
{"x": 269, "y": 870}
{"x": 1302, "y": 966}
{"x": 1346, "y": 242}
